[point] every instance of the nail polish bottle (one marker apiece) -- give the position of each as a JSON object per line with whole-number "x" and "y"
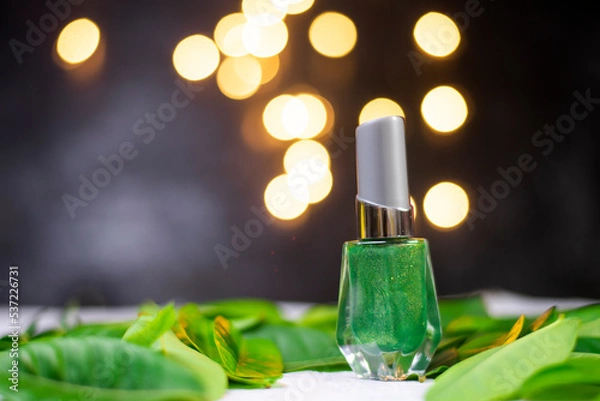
{"x": 388, "y": 320}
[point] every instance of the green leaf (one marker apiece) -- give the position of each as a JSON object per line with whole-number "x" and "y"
{"x": 471, "y": 324}
{"x": 149, "y": 308}
{"x": 102, "y": 369}
{"x": 451, "y": 342}
{"x": 586, "y": 313}
{"x": 479, "y": 342}
{"x": 589, "y": 316}
{"x": 207, "y": 371}
{"x": 267, "y": 311}
{"x": 320, "y": 317}
{"x": 446, "y": 353}
{"x": 111, "y": 330}
{"x": 197, "y": 331}
{"x": 246, "y": 323}
{"x": 303, "y": 348}
{"x": 432, "y": 374}
{"x": 447, "y": 357}
{"x": 484, "y": 341}
{"x": 5, "y": 343}
{"x": 580, "y": 374}
{"x": 149, "y": 328}
{"x": 499, "y": 372}
{"x": 567, "y": 392}
{"x": 590, "y": 329}
{"x": 588, "y": 344}
{"x": 259, "y": 359}
{"x": 32, "y": 330}
{"x": 453, "y": 308}
{"x": 247, "y": 362}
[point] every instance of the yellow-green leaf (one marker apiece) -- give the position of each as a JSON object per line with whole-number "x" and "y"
{"x": 484, "y": 341}
{"x": 244, "y": 361}
{"x": 149, "y": 328}
{"x": 543, "y": 319}
{"x": 499, "y": 372}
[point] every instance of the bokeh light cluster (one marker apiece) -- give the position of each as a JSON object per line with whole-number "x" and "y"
{"x": 250, "y": 42}
{"x": 303, "y": 116}
{"x": 444, "y": 110}
{"x": 307, "y": 163}
{"x": 244, "y": 54}
{"x": 307, "y": 180}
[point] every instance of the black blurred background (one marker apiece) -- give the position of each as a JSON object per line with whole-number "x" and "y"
{"x": 152, "y": 232}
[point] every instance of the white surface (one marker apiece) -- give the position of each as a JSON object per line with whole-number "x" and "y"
{"x": 315, "y": 386}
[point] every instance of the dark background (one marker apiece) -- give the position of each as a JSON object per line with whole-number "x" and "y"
{"x": 151, "y": 233}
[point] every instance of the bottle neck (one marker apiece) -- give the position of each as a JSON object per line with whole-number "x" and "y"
{"x": 376, "y": 221}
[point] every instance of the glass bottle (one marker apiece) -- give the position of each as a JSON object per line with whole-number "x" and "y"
{"x": 388, "y": 324}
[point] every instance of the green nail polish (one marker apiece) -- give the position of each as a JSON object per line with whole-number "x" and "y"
{"x": 388, "y": 324}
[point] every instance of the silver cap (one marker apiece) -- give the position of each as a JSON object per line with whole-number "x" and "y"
{"x": 383, "y": 205}
{"x": 381, "y": 163}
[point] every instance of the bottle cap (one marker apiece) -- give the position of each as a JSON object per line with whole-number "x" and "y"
{"x": 381, "y": 163}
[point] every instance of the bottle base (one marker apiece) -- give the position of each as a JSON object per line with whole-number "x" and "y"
{"x": 369, "y": 362}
